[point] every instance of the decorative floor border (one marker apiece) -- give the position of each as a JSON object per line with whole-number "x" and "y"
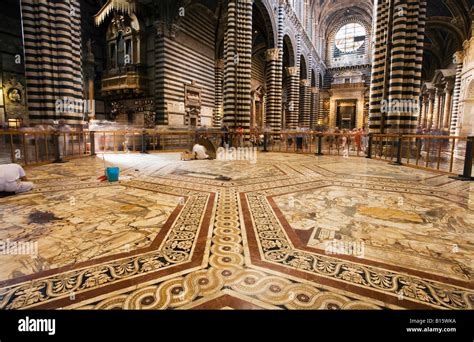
{"x": 179, "y": 245}
{"x": 270, "y": 247}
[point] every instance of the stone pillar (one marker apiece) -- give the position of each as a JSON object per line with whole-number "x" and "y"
{"x": 305, "y": 104}
{"x": 324, "y": 108}
{"x": 424, "y": 111}
{"x": 421, "y": 110}
{"x": 219, "y": 85}
{"x": 314, "y": 116}
{"x": 238, "y": 64}
{"x": 89, "y": 75}
{"x": 431, "y": 108}
{"x": 274, "y": 89}
{"x": 448, "y": 104}
{"x": 293, "y": 97}
{"x": 436, "y": 109}
{"x": 455, "y": 124}
{"x": 441, "y": 97}
{"x": 397, "y": 63}
{"x": 253, "y": 111}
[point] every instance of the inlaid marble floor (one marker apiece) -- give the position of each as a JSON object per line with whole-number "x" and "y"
{"x": 287, "y": 232}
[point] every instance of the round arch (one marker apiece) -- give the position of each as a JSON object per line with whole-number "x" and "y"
{"x": 303, "y": 68}
{"x": 313, "y": 79}
{"x": 263, "y": 9}
{"x": 467, "y": 114}
{"x": 289, "y": 52}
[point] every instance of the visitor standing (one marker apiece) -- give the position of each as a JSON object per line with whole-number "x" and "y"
{"x": 240, "y": 136}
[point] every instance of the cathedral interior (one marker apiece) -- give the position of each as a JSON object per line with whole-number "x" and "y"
{"x": 340, "y": 145}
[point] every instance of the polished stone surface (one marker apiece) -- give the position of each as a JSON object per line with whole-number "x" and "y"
{"x": 290, "y": 231}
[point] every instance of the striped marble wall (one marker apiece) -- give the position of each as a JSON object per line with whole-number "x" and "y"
{"x": 53, "y": 59}
{"x": 179, "y": 60}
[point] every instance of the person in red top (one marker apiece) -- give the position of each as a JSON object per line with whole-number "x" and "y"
{"x": 240, "y": 136}
{"x": 358, "y": 139}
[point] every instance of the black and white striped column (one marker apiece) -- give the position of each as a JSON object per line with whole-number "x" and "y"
{"x": 305, "y": 104}
{"x": 274, "y": 89}
{"x": 219, "y": 86}
{"x": 293, "y": 74}
{"x": 238, "y": 65}
{"x": 314, "y": 117}
{"x": 397, "y": 65}
{"x": 455, "y": 124}
{"x": 53, "y": 60}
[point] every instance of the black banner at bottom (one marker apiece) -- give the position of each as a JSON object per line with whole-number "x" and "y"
{"x": 222, "y": 325}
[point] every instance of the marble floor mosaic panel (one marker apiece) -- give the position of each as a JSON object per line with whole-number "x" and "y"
{"x": 286, "y": 232}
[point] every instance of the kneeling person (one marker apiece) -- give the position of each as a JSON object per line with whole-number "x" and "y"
{"x": 200, "y": 152}
{"x": 13, "y": 179}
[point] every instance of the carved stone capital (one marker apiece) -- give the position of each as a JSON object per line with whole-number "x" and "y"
{"x": 293, "y": 71}
{"x": 273, "y": 54}
{"x": 304, "y": 83}
{"x": 220, "y": 63}
{"x": 449, "y": 85}
{"x": 458, "y": 57}
{"x": 160, "y": 28}
{"x": 163, "y": 29}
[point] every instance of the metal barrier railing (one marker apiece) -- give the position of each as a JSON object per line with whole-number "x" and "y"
{"x": 146, "y": 141}
{"x": 320, "y": 143}
{"x": 450, "y": 154}
{"x": 41, "y": 147}
{"x": 440, "y": 153}
{"x": 29, "y": 148}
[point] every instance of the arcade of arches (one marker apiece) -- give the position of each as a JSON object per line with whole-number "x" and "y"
{"x": 238, "y": 234}
{"x": 276, "y": 64}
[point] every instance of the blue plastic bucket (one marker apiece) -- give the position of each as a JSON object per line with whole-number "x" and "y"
{"x": 112, "y": 174}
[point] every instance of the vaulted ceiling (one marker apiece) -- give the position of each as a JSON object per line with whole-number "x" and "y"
{"x": 447, "y": 27}
{"x": 327, "y": 12}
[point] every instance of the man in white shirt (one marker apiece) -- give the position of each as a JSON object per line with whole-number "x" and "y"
{"x": 13, "y": 179}
{"x": 200, "y": 152}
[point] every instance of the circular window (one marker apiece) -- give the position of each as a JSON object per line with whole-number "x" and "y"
{"x": 350, "y": 37}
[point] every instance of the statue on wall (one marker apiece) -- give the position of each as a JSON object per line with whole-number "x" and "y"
{"x": 14, "y": 90}
{"x": 14, "y": 95}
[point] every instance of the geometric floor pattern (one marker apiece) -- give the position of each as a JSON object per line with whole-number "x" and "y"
{"x": 287, "y": 232}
